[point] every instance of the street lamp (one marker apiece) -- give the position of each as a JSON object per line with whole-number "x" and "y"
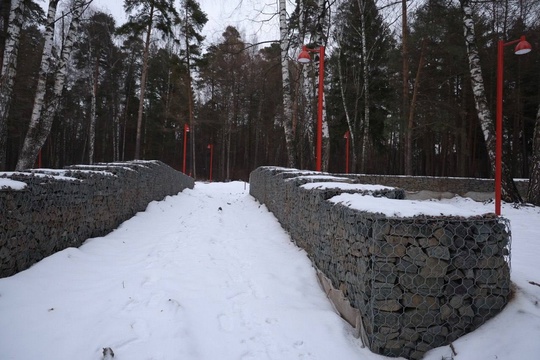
{"x": 186, "y": 130}
{"x": 347, "y": 137}
{"x": 304, "y": 58}
{"x": 522, "y": 47}
{"x": 211, "y": 148}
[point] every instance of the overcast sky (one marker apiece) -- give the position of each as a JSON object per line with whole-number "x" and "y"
{"x": 250, "y": 17}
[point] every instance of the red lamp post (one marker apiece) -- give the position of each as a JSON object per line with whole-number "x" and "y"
{"x": 347, "y": 137}
{"x": 304, "y": 58}
{"x": 211, "y": 148}
{"x": 522, "y": 47}
{"x": 186, "y": 130}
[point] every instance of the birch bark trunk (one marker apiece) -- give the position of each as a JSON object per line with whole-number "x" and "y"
{"x": 509, "y": 190}
{"x": 319, "y": 38}
{"x": 42, "y": 119}
{"x": 365, "y": 70}
{"x": 31, "y": 146}
{"x": 8, "y": 71}
{"x": 192, "y": 131}
{"x": 286, "y": 83}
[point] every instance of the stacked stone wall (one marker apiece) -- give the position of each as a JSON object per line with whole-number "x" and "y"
{"x": 57, "y": 209}
{"x": 418, "y": 283}
{"x": 455, "y": 185}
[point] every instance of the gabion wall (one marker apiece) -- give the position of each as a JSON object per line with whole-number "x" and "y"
{"x": 456, "y": 185}
{"x": 62, "y": 208}
{"x": 418, "y": 283}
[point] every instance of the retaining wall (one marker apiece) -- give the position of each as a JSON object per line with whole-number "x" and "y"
{"x": 417, "y": 283}
{"x": 45, "y": 211}
{"x": 454, "y": 185}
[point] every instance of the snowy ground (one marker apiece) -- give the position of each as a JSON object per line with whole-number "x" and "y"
{"x": 209, "y": 274}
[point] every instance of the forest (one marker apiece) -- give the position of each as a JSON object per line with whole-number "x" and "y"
{"x": 409, "y": 86}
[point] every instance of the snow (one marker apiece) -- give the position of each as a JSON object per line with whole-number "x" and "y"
{"x": 209, "y": 274}
{"x": 403, "y": 208}
{"x": 41, "y": 174}
{"x": 345, "y": 186}
{"x": 11, "y": 184}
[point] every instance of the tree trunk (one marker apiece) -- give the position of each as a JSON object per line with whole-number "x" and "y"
{"x": 365, "y": 70}
{"x": 509, "y": 189}
{"x": 319, "y": 38}
{"x": 286, "y": 83}
{"x": 192, "y": 133}
{"x": 144, "y": 75}
{"x": 412, "y": 107}
{"x": 31, "y": 144}
{"x": 533, "y": 192}
{"x": 405, "y": 90}
{"x": 42, "y": 119}
{"x": 350, "y": 125}
{"x": 8, "y": 71}
{"x": 92, "y": 131}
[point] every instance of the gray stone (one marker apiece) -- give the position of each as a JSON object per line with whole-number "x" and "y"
{"x": 490, "y": 263}
{"x": 386, "y": 291}
{"x": 409, "y": 334}
{"x": 382, "y": 318}
{"x": 490, "y": 302}
{"x": 439, "y": 252}
{"x": 387, "y": 305}
{"x": 406, "y": 266}
{"x": 411, "y": 300}
{"x": 487, "y": 276}
{"x": 420, "y": 318}
{"x": 387, "y": 250}
{"x": 465, "y": 260}
{"x": 446, "y": 312}
{"x": 456, "y": 301}
{"x": 434, "y": 268}
{"x": 417, "y": 255}
{"x": 466, "y": 311}
{"x": 427, "y": 242}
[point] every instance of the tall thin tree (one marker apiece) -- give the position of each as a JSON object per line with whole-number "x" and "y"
{"x": 509, "y": 189}
{"x": 42, "y": 116}
{"x": 147, "y": 15}
{"x": 286, "y": 82}
{"x": 9, "y": 70}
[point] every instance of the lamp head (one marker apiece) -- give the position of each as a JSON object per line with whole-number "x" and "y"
{"x": 523, "y": 47}
{"x": 304, "y": 57}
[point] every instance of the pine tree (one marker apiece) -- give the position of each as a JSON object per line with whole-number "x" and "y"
{"x": 192, "y": 23}
{"x": 144, "y": 16}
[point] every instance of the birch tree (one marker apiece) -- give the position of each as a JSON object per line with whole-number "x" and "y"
{"x": 286, "y": 82}
{"x": 313, "y": 24}
{"x": 42, "y": 118}
{"x": 9, "y": 70}
{"x": 365, "y": 70}
{"x": 509, "y": 190}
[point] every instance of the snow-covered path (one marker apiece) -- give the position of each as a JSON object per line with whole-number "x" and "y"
{"x": 185, "y": 280}
{"x": 207, "y": 274}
